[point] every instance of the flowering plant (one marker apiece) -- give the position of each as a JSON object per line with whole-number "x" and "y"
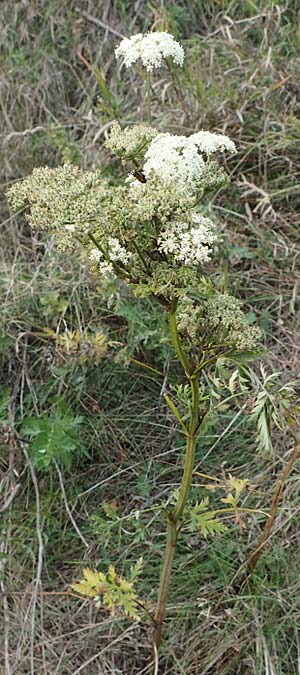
{"x": 152, "y": 231}
{"x": 151, "y": 49}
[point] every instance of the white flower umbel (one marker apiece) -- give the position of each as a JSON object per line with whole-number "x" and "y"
{"x": 174, "y": 158}
{"x": 151, "y": 49}
{"x": 116, "y": 253}
{"x": 189, "y": 244}
{"x": 96, "y": 255}
{"x": 104, "y": 268}
{"x": 208, "y": 142}
{"x": 181, "y": 159}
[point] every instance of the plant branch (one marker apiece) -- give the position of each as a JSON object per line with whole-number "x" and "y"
{"x": 141, "y": 257}
{"x": 165, "y": 581}
{"x": 145, "y": 365}
{"x": 92, "y": 238}
{"x": 146, "y": 610}
{"x": 176, "y": 412}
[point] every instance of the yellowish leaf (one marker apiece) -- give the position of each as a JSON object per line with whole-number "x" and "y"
{"x": 93, "y": 578}
{"x": 83, "y": 588}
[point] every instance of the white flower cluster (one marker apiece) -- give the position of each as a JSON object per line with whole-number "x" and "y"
{"x": 209, "y": 142}
{"x": 116, "y": 253}
{"x": 179, "y": 159}
{"x": 174, "y": 159}
{"x": 189, "y": 245}
{"x": 151, "y": 48}
{"x": 129, "y": 142}
{"x": 105, "y": 269}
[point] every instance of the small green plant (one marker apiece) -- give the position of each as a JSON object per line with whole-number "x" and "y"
{"x": 53, "y": 438}
{"x": 53, "y": 305}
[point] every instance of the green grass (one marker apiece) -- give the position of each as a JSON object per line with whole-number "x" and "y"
{"x": 241, "y": 77}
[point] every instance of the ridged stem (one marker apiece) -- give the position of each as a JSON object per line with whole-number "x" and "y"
{"x": 173, "y": 518}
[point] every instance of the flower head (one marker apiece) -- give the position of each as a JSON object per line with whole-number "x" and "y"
{"x": 151, "y": 48}
{"x": 183, "y": 159}
{"x": 174, "y": 159}
{"x": 115, "y": 253}
{"x": 130, "y": 142}
{"x": 218, "y": 318}
{"x": 208, "y": 142}
{"x": 64, "y": 200}
{"x": 188, "y": 244}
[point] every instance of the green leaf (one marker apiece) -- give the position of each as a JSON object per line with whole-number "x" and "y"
{"x": 242, "y": 356}
{"x": 176, "y": 412}
{"x": 136, "y": 569}
{"x": 204, "y": 520}
{"x": 238, "y": 485}
{"x": 55, "y": 439}
{"x": 209, "y": 524}
{"x": 230, "y": 499}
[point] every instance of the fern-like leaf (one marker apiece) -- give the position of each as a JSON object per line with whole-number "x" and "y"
{"x": 111, "y": 590}
{"x": 205, "y": 520}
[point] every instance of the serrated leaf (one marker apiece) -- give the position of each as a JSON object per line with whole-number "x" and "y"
{"x": 232, "y": 384}
{"x": 263, "y": 432}
{"x": 54, "y": 437}
{"x": 238, "y": 485}
{"x": 230, "y": 499}
{"x": 136, "y": 569}
{"x": 112, "y": 575}
{"x": 83, "y": 588}
{"x": 209, "y": 524}
{"x": 117, "y": 593}
{"x": 31, "y": 426}
{"x": 130, "y": 607}
{"x": 92, "y": 577}
{"x": 205, "y": 520}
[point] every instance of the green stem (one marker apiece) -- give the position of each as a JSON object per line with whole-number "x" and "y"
{"x": 92, "y": 238}
{"x": 141, "y": 257}
{"x": 176, "y": 342}
{"x": 173, "y": 518}
{"x": 149, "y": 97}
{"x": 165, "y": 582}
{"x": 189, "y": 456}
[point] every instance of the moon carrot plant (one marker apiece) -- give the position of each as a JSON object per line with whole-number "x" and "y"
{"x": 152, "y": 230}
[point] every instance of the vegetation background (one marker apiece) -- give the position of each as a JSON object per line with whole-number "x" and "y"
{"x": 111, "y": 446}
